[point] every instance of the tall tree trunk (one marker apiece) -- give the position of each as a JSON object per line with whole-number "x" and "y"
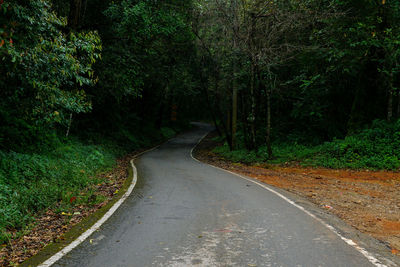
{"x": 390, "y": 105}
{"x": 204, "y": 86}
{"x": 211, "y": 109}
{"x": 252, "y": 83}
{"x": 69, "y": 125}
{"x": 244, "y": 119}
{"x": 390, "y": 98}
{"x": 234, "y": 96}
{"x": 162, "y": 109}
{"x": 220, "y": 115}
{"x": 253, "y": 106}
{"x": 75, "y": 11}
{"x": 234, "y": 113}
{"x": 362, "y": 98}
{"x": 268, "y": 137}
{"x": 224, "y": 126}
{"x": 229, "y": 123}
{"x": 234, "y": 80}
{"x": 160, "y": 115}
{"x": 398, "y": 104}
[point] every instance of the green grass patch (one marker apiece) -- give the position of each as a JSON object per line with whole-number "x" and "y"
{"x": 376, "y": 148}
{"x": 167, "y": 132}
{"x": 32, "y": 182}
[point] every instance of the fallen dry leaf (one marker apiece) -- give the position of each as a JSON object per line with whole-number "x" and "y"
{"x": 51, "y": 225}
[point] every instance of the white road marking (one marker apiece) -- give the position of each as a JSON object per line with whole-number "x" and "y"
{"x": 350, "y": 242}
{"x": 56, "y": 257}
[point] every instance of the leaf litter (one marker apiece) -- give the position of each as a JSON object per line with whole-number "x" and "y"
{"x": 51, "y": 225}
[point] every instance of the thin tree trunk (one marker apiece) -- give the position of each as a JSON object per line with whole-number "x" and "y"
{"x": 211, "y": 109}
{"x": 268, "y": 139}
{"x": 398, "y": 104}
{"x": 82, "y": 18}
{"x": 390, "y": 99}
{"x": 161, "y": 110}
{"x": 220, "y": 115}
{"x": 244, "y": 120}
{"x": 69, "y": 125}
{"x": 234, "y": 81}
{"x": 229, "y": 123}
{"x": 234, "y": 98}
{"x": 74, "y": 17}
{"x": 224, "y": 126}
{"x": 252, "y": 84}
{"x": 355, "y": 116}
{"x": 253, "y": 108}
{"x": 234, "y": 114}
{"x": 160, "y": 115}
{"x": 390, "y": 105}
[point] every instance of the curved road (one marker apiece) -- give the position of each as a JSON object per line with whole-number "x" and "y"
{"x": 186, "y": 213}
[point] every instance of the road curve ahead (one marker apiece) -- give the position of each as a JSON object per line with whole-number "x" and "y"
{"x": 186, "y": 213}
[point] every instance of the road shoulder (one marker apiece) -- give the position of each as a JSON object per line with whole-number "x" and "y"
{"x": 383, "y": 250}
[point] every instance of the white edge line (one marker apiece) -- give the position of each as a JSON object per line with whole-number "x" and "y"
{"x": 350, "y": 242}
{"x": 53, "y": 259}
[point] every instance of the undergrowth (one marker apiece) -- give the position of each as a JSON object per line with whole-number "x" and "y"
{"x": 32, "y": 182}
{"x": 375, "y": 148}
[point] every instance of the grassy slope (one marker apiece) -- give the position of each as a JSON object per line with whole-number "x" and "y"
{"x": 32, "y": 182}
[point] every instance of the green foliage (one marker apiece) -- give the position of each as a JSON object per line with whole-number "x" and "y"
{"x": 374, "y": 148}
{"x": 65, "y": 171}
{"x": 241, "y": 155}
{"x": 167, "y": 132}
{"x": 45, "y": 69}
{"x": 328, "y": 75}
{"x": 54, "y": 78}
{"x": 30, "y": 183}
{"x": 150, "y": 39}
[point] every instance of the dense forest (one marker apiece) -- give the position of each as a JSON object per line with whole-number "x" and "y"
{"x": 86, "y": 81}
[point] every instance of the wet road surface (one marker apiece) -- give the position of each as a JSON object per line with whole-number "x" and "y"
{"x": 186, "y": 213}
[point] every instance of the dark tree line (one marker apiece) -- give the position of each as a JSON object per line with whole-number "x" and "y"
{"x": 308, "y": 70}
{"x": 89, "y": 66}
{"x": 262, "y": 71}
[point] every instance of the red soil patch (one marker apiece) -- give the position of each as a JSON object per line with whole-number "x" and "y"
{"x": 367, "y": 200}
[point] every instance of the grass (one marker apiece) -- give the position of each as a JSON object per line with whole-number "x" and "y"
{"x": 375, "y": 148}
{"x": 30, "y": 182}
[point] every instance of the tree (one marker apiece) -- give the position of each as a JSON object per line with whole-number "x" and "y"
{"x": 47, "y": 70}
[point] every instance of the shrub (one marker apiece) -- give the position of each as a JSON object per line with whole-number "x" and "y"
{"x": 372, "y": 148}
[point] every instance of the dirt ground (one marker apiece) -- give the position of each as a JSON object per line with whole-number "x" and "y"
{"x": 369, "y": 201}
{"x": 51, "y": 226}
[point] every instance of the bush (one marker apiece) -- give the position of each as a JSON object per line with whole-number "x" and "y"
{"x": 167, "y": 132}
{"x": 373, "y": 148}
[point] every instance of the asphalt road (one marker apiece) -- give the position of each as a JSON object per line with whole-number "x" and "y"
{"x": 186, "y": 213}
